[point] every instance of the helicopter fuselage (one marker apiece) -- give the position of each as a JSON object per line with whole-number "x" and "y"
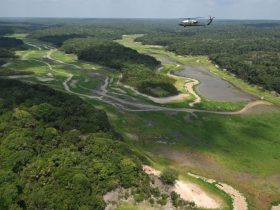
{"x": 194, "y": 22}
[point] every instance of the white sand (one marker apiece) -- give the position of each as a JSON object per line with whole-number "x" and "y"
{"x": 191, "y": 192}
{"x": 19, "y": 76}
{"x": 188, "y": 191}
{"x": 239, "y": 201}
{"x": 49, "y": 74}
{"x": 44, "y": 79}
{"x": 189, "y": 86}
{"x": 151, "y": 171}
{"x": 73, "y": 83}
{"x": 275, "y": 207}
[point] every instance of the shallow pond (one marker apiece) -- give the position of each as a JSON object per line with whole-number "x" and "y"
{"x": 213, "y": 87}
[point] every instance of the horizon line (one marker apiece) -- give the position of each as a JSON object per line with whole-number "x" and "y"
{"x": 132, "y": 18}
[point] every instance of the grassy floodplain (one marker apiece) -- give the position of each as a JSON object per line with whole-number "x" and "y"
{"x": 230, "y": 149}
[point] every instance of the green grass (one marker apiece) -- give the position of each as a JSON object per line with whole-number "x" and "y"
{"x": 240, "y": 143}
{"x": 18, "y": 36}
{"x": 219, "y": 106}
{"x": 30, "y": 65}
{"x": 89, "y": 66}
{"x": 60, "y": 72}
{"x": 132, "y": 206}
{"x": 67, "y": 58}
{"x": 180, "y": 81}
{"x": 36, "y": 54}
{"x": 86, "y": 84}
{"x": 208, "y": 105}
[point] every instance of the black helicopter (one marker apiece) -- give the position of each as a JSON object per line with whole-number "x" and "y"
{"x": 190, "y": 22}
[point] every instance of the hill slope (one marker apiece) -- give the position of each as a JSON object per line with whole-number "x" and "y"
{"x": 58, "y": 152}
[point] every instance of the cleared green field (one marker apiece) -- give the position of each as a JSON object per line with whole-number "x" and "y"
{"x": 228, "y": 148}
{"x": 131, "y": 206}
{"x": 37, "y": 67}
{"x": 209, "y": 105}
{"x": 67, "y": 58}
{"x": 18, "y": 36}
{"x": 30, "y": 54}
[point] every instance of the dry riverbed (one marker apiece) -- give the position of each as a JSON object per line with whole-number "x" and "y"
{"x": 189, "y": 191}
{"x": 239, "y": 201}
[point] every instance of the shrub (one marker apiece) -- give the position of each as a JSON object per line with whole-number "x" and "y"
{"x": 152, "y": 201}
{"x": 139, "y": 198}
{"x": 169, "y": 176}
{"x": 162, "y": 202}
{"x": 155, "y": 192}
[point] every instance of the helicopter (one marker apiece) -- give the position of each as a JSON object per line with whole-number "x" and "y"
{"x": 190, "y": 22}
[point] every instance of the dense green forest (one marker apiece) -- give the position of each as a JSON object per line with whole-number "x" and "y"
{"x": 5, "y": 55}
{"x": 146, "y": 80}
{"x": 11, "y": 26}
{"x": 5, "y": 30}
{"x": 116, "y": 56}
{"x": 248, "y": 51}
{"x": 58, "y": 40}
{"x": 79, "y": 44}
{"x": 58, "y": 152}
{"x": 8, "y": 46}
{"x": 58, "y": 35}
{"x": 107, "y": 52}
{"x": 11, "y": 43}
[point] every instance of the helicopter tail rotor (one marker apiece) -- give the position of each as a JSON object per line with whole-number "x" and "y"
{"x": 210, "y": 20}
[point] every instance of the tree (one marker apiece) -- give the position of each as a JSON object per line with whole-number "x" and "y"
{"x": 169, "y": 176}
{"x": 128, "y": 170}
{"x": 50, "y": 162}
